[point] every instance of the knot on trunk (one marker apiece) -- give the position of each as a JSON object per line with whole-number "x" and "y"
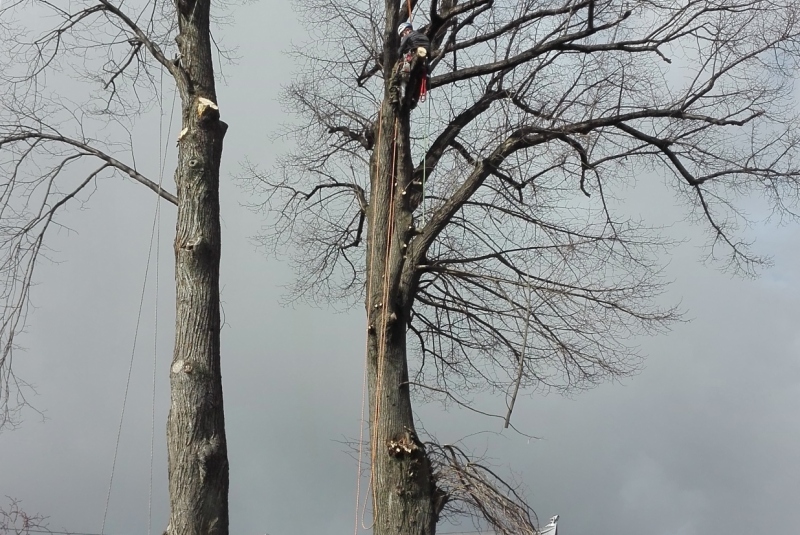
{"x": 412, "y": 196}
{"x": 195, "y": 244}
{"x": 207, "y": 110}
{"x": 182, "y": 135}
{"x": 405, "y": 445}
{"x": 182, "y": 366}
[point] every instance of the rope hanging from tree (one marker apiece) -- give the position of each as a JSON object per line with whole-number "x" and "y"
{"x": 384, "y": 313}
{"x": 383, "y": 302}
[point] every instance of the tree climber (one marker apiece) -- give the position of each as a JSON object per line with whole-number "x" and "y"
{"x": 410, "y": 41}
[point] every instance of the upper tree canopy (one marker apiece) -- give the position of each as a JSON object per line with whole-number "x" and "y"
{"x": 542, "y": 110}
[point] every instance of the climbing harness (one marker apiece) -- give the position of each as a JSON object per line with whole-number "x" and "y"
{"x": 423, "y": 86}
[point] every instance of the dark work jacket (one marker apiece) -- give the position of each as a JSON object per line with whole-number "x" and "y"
{"x": 413, "y": 41}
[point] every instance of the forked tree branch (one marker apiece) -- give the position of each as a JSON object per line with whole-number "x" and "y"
{"x": 181, "y": 77}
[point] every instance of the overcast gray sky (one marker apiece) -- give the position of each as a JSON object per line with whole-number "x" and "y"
{"x": 706, "y": 440}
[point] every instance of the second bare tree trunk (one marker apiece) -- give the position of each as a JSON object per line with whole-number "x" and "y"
{"x": 197, "y": 448}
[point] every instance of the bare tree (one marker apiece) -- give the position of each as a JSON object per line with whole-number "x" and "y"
{"x": 14, "y": 520}
{"x": 54, "y": 150}
{"x": 486, "y": 239}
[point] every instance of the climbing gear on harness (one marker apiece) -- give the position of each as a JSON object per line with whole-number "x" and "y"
{"x": 423, "y": 88}
{"x": 407, "y": 63}
{"x": 403, "y": 27}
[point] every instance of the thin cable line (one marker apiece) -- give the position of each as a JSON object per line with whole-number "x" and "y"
{"x": 156, "y": 219}
{"x": 162, "y": 160}
{"x": 128, "y": 380}
{"x": 156, "y": 222}
{"x": 155, "y": 367}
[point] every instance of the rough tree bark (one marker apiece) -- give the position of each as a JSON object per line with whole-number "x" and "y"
{"x": 403, "y": 488}
{"x": 198, "y": 461}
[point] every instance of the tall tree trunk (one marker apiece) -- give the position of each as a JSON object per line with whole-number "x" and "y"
{"x": 197, "y": 449}
{"x": 404, "y": 491}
